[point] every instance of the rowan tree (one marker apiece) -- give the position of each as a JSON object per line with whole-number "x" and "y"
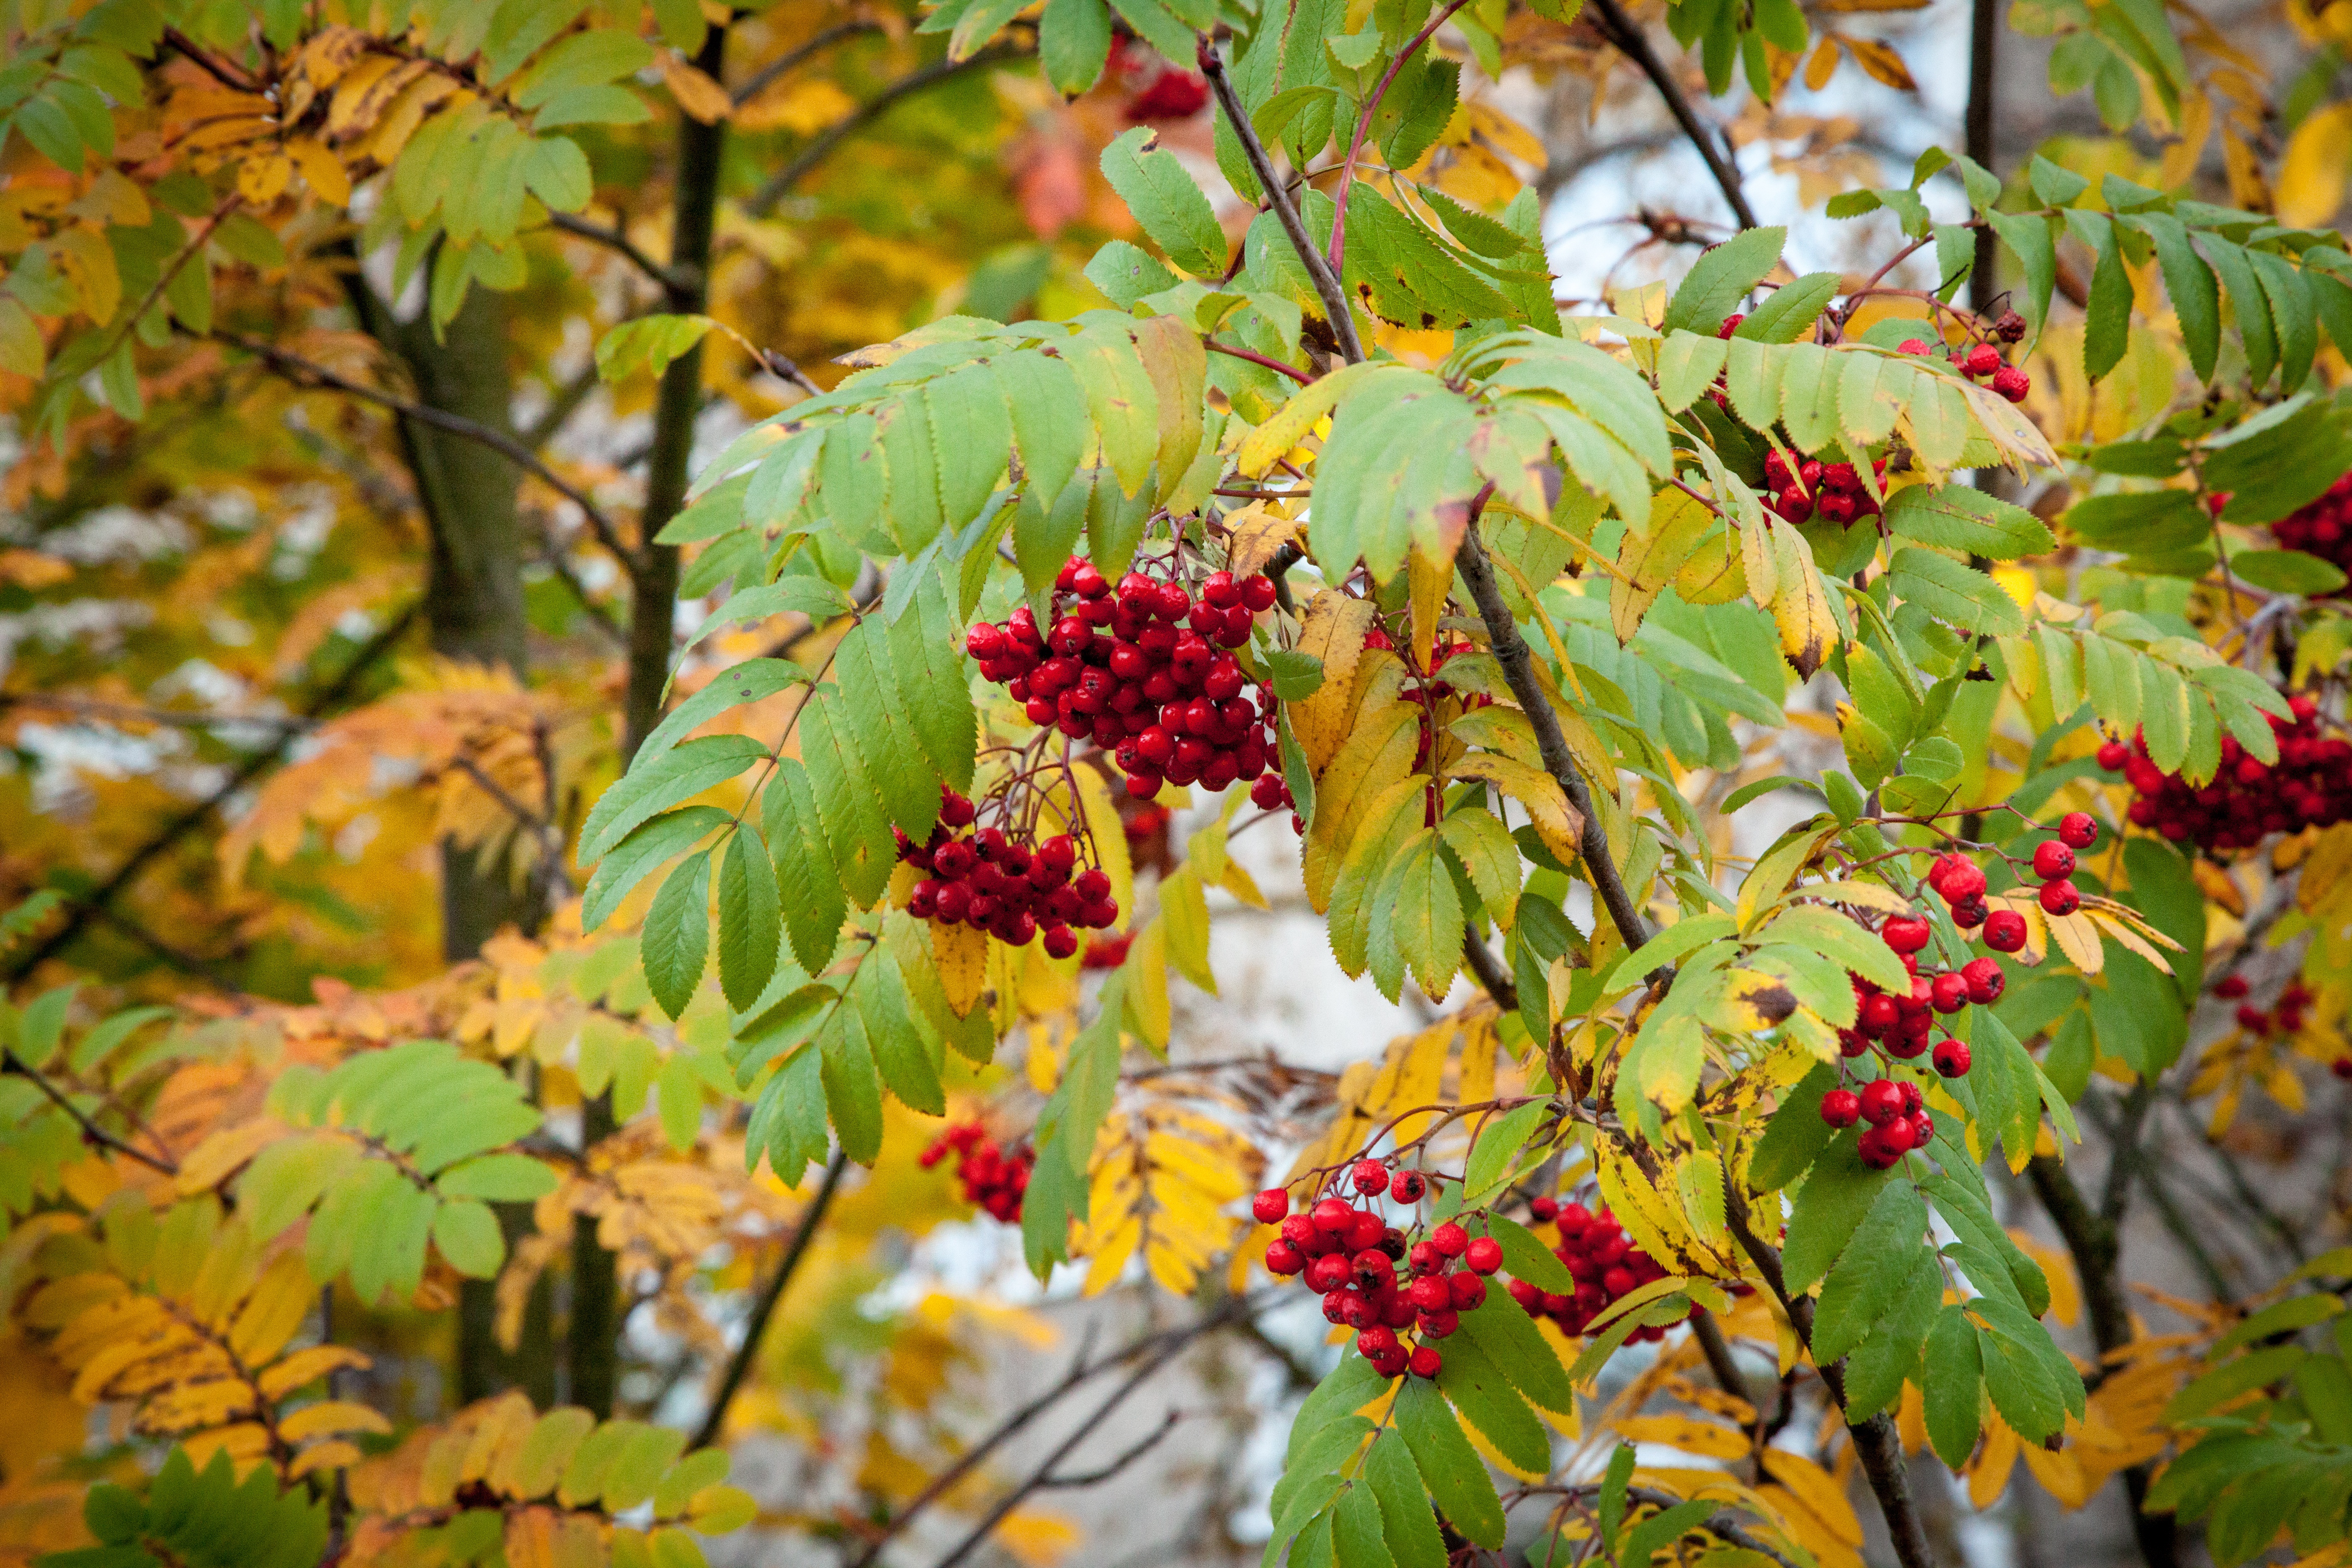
{"x": 689, "y": 604}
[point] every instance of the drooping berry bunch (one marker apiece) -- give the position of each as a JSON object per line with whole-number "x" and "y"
{"x": 1899, "y": 1026}
{"x": 1831, "y": 492}
{"x": 1984, "y": 361}
{"x": 2248, "y": 799}
{"x": 1603, "y": 1259}
{"x": 2321, "y": 527}
{"x": 1144, "y": 670}
{"x": 1370, "y": 1278}
{"x": 992, "y": 1177}
{"x": 995, "y": 882}
{"x": 2284, "y": 1017}
{"x": 1156, "y": 89}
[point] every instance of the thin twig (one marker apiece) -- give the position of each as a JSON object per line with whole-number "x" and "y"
{"x": 1102, "y": 1473}
{"x": 1490, "y": 972}
{"x": 178, "y": 958}
{"x": 780, "y": 184}
{"x": 757, "y": 82}
{"x": 299, "y": 369}
{"x": 1336, "y": 249}
{"x": 615, "y": 239}
{"x": 1627, "y": 36}
{"x": 755, "y": 1328}
{"x": 1295, "y": 374}
{"x": 1336, "y": 311}
{"x": 132, "y": 713}
{"x": 91, "y": 1132}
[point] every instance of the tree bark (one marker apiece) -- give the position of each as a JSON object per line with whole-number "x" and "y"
{"x": 592, "y": 1335}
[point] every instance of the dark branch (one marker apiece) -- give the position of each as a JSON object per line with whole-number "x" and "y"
{"x": 91, "y": 1132}
{"x": 757, "y": 82}
{"x": 1490, "y": 972}
{"x": 1294, "y": 228}
{"x": 303, "y": 372}
{"x": 1102, "y": 1473}
{"x": 755, "y": 1328}
{"x": 1626, "y": 37}
{"x": 85, "y": 906}
{"x": 1512, "y": 653}
{"x": 781, "y": 183}
{"x": 1293, "y": 371}
{"x": 615, "y": 240}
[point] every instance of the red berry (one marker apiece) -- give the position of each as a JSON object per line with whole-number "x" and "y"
{"x": 1370, "y": 1176}
{"x": 1878, "y": 1015}
{"x": 2012, "y": 383}
{"x": 1484, "y": 1255}
{"x": 2230, "y": 987}
{"x": 1543, "y": 1210}
{"x": 1426, "y": 1361}
{"x": 2004, "y": 930}
{"x": 1983, "y": 360}
{"x": 1407, "y": 1186}
{"x": 2254, "y": 1018}
{"x": 1331, "y": 1214}
{"x": 2078, "y": 830}
{"x": 2113, "y": 755}
{"x": 1364, "y": 1230}
{"x": 2053, "y": 860}
{"x": 1441, "y": 1324}
{"x": 1906, "y": 934}
{"x": 2061, "y": 897}
{"x": 1962, "y": 883}
{"x": 1430, "y": 1293}
{"x": 1899, "y": 1135}
{"x": 1951, "y": 1058}
{"x": 1985, "y": 980}
{"x": 1911, "y": 346}
{"x": 1841, "y": 1108}
{"x": 1061, "y": 942}
{"x": 1951, "y": 992}
{"x": 1881, "y": 1101}
{"x": 1376, "y": 1342}
{"x": 1449, "y": 1239}
{"x": 1328, "y": 1272}
{"x": 1469, "y": 1292}
{"x": 1271, "y": 1205}
{"x": 1423, "y": 1258}
{"x": 1284, "y": 1259}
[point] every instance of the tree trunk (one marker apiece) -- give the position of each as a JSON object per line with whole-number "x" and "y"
{"x": 592, "y": 1336}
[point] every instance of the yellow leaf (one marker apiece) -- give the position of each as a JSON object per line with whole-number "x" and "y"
{"x": 1882, "y": 62}
{"x": 89, "y": 261}
{"x": 1691, "y": 1436}
{"x": 275, "y": 1311}
{"x": 1820, "y": 1496}
{"x": 332, "y": 1455}
{"x": 697, "y": 94}
{"x": 1987, "y": 1469}
{"x": 2078, "y": 939}
{"x": 1559, "y": 825}
{"x": 262, "y": 179}
{"x": 2312, "y": 174}
{"x": 1822, "y": 66}
{"x": 1801, "y": 611}
{"x": 1036, "y": 1539}
{"x": 219, "y": 1156}
{"x": 307, "y": 1365}
{"x": 322, "y": 171}
{"x": 331, "y": 1419}
{"x": 960, "y": 954}
{"x": 1333, "y": 632}
{"x": 1254, "y": 536}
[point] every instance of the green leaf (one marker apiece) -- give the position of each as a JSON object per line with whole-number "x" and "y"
{"x": 1962, "y": 517}
{"x": 2288, "y": 572}
{"x": 2032, "y": 1383}
{"x": 750, "y": 924}
{"x": 1449, "y": 1466}
{"x": 1509, "y": 1336}
{"x": 1796, "y": 1135}
{"x": 1074, "y": 41}
{"x": 665, "y": 781}
{"x": 1294, "y": 676}
{"x": 808, "y": 890}
{"x": 1166, "y": 202}
{"x": 1789, "y": 311}
{"x": 467, "y": 1234}
{"x": 1525, "y": 1258}
{"x": 498, "y": 1178}
{"x": 1488, "y": 1401}
{"x": 1868, "y": 1277}
{"x": 1954, "y": 593}
{"x": 1721, "y": 278}
{"x": 2232, "y": 1379}
{"x": 2107, "y": 326}
{"x": 2029, "y": 239}
{"x": 1408, "y": 1524}
{"x": 647, "y": 345}
{"x": 676, "y": 944}
{"x": 1424, "y": 909}
{"x": 2056, "y": 186}
{"x": 1838, "y": 1193}
{"x": 1953, "y": 1383}
{"x": 2189, "y": 284}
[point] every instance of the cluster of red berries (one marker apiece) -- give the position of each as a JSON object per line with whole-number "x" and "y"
{"x": 1897, "y": 1112}
{"x": 993, "y": 1178}
{"x": 1143, "y": 670}
{"x": 2310, "y": 785}
{"x": 2281, "y": 1021}
{"x": 1604, "y": 1261}
{"x": 1369, "y": 1279}
{"x": 1156, "y": 89}
{"x": 1979, "y": 361}
{"x": 1012, "y": 891}
{"x": 2321, "y": 527}
{"x": 1831, "y": 492}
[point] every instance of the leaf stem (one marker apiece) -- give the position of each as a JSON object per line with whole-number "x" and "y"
{"x": 1338, "y": 243}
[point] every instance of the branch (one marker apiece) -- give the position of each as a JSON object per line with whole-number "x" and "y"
{"x": 1338, "y": 249}
{"x": 614, "y": 240}
{"x": 551, "y": 842}
{"x": 309, "y": 372}
{"x": 755, "y": 1328}
{"x": 186, "y": 961}
{"x": 1327, "y": 282}
{"x": 1718, "y": 1350}
{"x": 1296, "y": 374}
{"x": 1490, "y": 972}
{"x": 1512, "y": 653}
{"x": 86, "y": 907}
{"x": 91, "y": 1132}
{"x": 1102, "y": 1473}
{"x": 1627, "y": 36}
{"x": 759, "y": 79}
{"x": 780, "y": 184}
{"x": 1875, "y": 1441}
{"x": 1167, "y": 1341}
